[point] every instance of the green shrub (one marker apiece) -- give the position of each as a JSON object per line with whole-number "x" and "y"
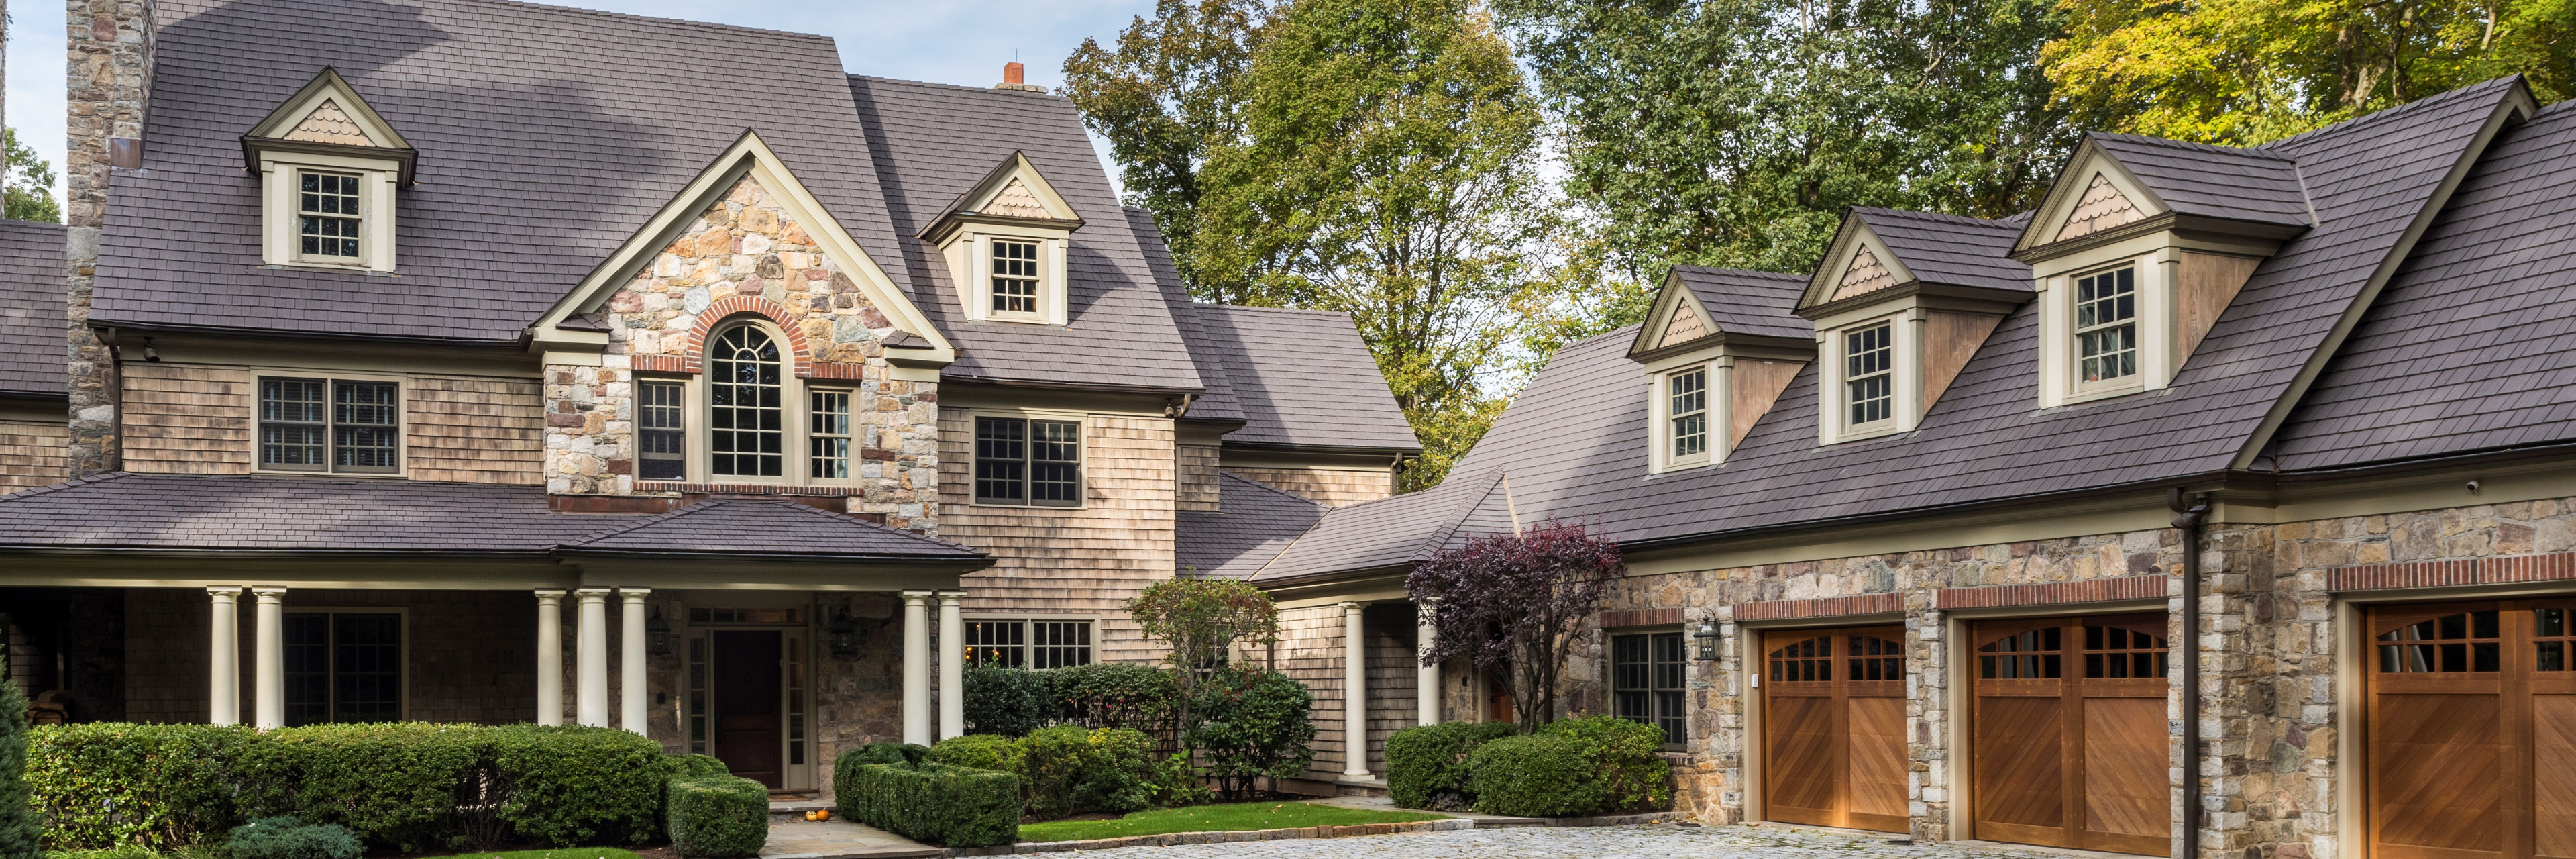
{"x": 979, "y": 751}
{"x": 391, "y": 785}
{"x": 1573, "y": 767}
{"x": 1006, "y": 701}
{"x": 1114, "y": 695}
{"x": 718, "y": 816}
{"x": 1252, "y": 723}
{"x": 934, "y": 803}
{"x": 692, "y": 766}
{"x": 584, "y": 787}
{"x": 1633, "y": 774}
{"x": 1120, "y": 774}
{"x": 1428, "y": 764}
{"x": 21, "y": 833}
{"x": 883, "y": 753}
{"x": 162, "y": 786}
{"x": 285, "y": 837}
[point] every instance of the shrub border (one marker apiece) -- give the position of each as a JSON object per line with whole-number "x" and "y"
{"x": 1170, "y": 839}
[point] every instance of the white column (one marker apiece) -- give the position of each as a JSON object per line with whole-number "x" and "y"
{"x": 591, "y": 651}
{"x": 223, "y": 683}
{"x": 1426, "y": 683}
{"x": 916, "y": 667}
{"x": 630, "y": 660}
{"x": 268, "y": 692}
{"x": 952, "y": 665}
{"x": 1354, "y": 693}
{"x": 550, "y": 657}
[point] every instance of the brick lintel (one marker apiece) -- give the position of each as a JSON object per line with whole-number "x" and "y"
{"x": 2510, "y": 569}
{"x": 1641, "y": 617}
{"x": 1887, "y": 603}
{"x": 2054, "y": 593}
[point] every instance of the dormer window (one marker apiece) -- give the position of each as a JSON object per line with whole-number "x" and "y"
{"x": 1718, "y": 347}
{"x": 1869, "y": 376}
{"x": 328, "y": 168}
{"x": 327, "y": 216}
{"x": 1005, "y": 242}
{"x": 1015, "y": 277}
{"x": 2106, "y": 329}
{"x": 1688, "y": 391}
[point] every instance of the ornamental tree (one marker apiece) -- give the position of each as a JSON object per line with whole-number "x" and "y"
{"x": 1511, "y": 605}
{"x": 1201, "y": 619}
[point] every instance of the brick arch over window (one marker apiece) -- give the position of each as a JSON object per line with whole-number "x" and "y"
{"x": 732, "y": 306}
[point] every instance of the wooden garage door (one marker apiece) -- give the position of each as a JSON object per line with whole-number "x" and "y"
{"x": 1833, "y": 725}
{"x": 2071, "y": 744}
{"x": 2472, "y": 730}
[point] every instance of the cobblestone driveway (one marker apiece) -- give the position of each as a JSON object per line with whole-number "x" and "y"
{"x": 1662, "y": 841}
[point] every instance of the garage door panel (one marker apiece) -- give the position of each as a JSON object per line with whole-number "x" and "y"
{"x": 2071, "y": 744}
{"x": 2436, "y": 772}
{"x": 2554, "y": 779}
{"x": 1834, "y": 728}
{"x": 1801, "y": 760}
{"x": 1878, "y": 764}
{"x": 2021, "y": 759}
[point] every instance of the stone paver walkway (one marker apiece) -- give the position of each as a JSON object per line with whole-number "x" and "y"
{"x": 800, "y": 839}
{"x": 1662, "y": 841}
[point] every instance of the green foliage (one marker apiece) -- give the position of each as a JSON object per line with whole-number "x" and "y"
{"x": 692, "y": 766}
{"x": 286, "y": 837}
{"x": 1573, "y": 767}
{"x": 162, "y": 786}
{"x": 579, "y": 786}
{"x": 1114, "y": 695}
{"x": 392, "y": 785}
{"x": 883, "y": 753}
{"x": 978, "y": 751}
{"x": 29, "y": 183}
{"x": 1428, "y": 763}
{"x": 1232, "y": 817}
{"x": 21, "y": 832}
{"x": 1066, "y": 769}
{"x": 1006, "y": 701}
{"x": 717, "y": 816}
{"x": 1254, "y": 723}
{"x": 934, "y": 803}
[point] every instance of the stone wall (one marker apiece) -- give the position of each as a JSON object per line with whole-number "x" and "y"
{"x": 107, "y": 86}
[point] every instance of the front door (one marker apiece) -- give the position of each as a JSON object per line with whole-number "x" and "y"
{"x": 2472, "y": 730}
{"x": 2072, "y": 748}
{"x": 1833, "y": 728}
{"x": 746, "y": 703}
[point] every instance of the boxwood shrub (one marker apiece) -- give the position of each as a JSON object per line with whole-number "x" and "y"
{"x": 1427, "y": 764}
{"x": 930, "y": 802}
{"x": 102, "y": 784}
{"x": 286, "y": 837}
{"x": 1570, "y": 768}
{"x": 717, "y": 816}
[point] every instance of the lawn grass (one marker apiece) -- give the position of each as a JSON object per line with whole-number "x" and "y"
{"x": 1233, "y": 817}
{"x": 563, "y": 853}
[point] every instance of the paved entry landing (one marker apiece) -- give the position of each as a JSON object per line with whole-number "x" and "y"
{"x": 834, "y": 839}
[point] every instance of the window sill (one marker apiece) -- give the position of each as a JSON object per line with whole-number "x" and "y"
{"x": 2103, "y": 393}
{"x": 748, "y": 488}
{"x": 1017, "y": 318}
{"x": 369, "y": 475}
{"x": 1886, "y": 429}
{"x": 1086, "y": 505}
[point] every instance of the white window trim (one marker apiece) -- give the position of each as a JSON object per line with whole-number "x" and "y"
{"x": 796, "y": 420}
{"x": 2060, "y": 384}
{"x": 970, "y": 257}
{"x": 1719, "y": 388}
{"x": 1905, "y": 330}
{"x": 280, "y": 178}
{"x": 402, "y": 419}
{"x": 1082, "y": 452}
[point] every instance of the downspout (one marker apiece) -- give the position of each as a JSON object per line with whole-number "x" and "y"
{"x": 2188, "y": 517}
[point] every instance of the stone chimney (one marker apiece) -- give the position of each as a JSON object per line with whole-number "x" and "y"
{"x": 109, "y": 83}
{"x": 1015, "y": 76}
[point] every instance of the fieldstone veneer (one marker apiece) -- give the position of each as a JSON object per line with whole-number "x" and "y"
{"x": 745, "y": 256}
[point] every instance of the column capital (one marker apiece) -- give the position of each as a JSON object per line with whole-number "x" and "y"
{"x": 593, "y": 594}
{"x": 1353, "y": 605}
{"x": 951, "y": 597}
{"x": 223, "y": 592}
{"x": 549, "y": 594}
{"x": 916, "y": 597}
{"x": 634, "y": 594}
{"x": 268, "y": 594}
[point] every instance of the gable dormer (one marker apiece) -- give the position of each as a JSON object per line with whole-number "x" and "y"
{"x": 1901, "y": 302}
{"x": 1718, "y": 347}
{"x": 1005, "y": 242}
{"x": 329, "y": 168}
{"x": 2138, "y": 248}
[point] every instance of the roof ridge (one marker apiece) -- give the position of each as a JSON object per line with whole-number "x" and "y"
{"x": 1717, "y": 269}
{"x": 712, "y": 503}
{"x": 2394, "y": 111}
{"x": 1050, "y": 93}
{"x": 2170, "y": 143}
{"x": 33, "y": 491}
{"x": 651, "y": 19}
{"x": 1933, "y": 216}
{"x": 1223, "y": 476}
{"x": 1341, "y": 313}
{"x": 1430, "y": 547}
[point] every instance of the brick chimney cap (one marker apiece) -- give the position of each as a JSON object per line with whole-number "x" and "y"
{"x": 1014, "y": 73}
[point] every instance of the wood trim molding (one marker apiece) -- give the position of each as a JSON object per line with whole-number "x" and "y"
{"x": 1641, "y": 617}
{"x": 2052, "y": 593}
{"x": 746, "y": 488}
{"x": 2471, "y": 571}
{"x": 1886, "y": 603}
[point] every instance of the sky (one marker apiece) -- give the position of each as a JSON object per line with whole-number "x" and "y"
{"x": 945, "y": 41}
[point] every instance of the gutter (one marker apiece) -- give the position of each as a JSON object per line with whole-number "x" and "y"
{"x": 2188, "y": 517}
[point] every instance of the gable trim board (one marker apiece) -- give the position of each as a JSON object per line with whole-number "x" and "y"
{"x": 1014, "y": 171}
{"x": 1827, "y": 284}
{"x": 278, "y": 131}
{"x": 2515, "y": 107}
{"x": 749, "y": 158}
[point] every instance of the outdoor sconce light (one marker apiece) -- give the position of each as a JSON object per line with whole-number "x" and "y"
{"x": 1704, "y": 642}
{"x": 845, "y": 636}
{"x": 657, "y": 635}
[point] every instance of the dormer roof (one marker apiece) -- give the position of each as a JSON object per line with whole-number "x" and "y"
{"x": 1014, "y": 192}
{"x": 1698, "y": 303}
{"x": 327, "y": 116}
{"x": 2117, "y": 185}
{"x": 1887, "y": 254}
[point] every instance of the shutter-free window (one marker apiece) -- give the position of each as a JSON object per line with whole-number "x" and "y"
{"x": 747, "y": 427}
{"x": 1648, "y": 682}
{"x": 343, "y": 667}
{"x": 366, "y": 426}
{"x": 327, "y": 216}
{"x": 1869, "y": 374}
{"x": 349, "y": 427}
{"x": 2106, "y": 329}
{"x": 1689, "y": 404}
{"x": 1015, "y": 277}
{"x": 662, "y": 431}
{"x": 828, "y": 434}
{"x": 1028, "y": 462}
{"x": 1026, "y": 643}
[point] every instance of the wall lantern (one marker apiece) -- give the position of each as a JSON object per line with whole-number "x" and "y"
{"x": 845, "y": 636}
{"x": 657, "y": 635}
{"x": 1704, "y": 642}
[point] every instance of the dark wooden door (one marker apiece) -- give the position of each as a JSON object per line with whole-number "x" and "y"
{"x": 746, "y": 704}
{"x": 2070, "y": 741}
{"x": 1833, "y": 726}
{"x": 2472, "y": 728}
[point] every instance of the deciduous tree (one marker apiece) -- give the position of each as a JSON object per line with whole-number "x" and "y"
{"x": 1512, "y": 604}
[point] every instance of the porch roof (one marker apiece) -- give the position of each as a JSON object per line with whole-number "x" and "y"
{"x": 335, "y": 515}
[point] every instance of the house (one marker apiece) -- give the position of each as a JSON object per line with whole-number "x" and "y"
{"x": 467, "y": 360}
{"x": 2220, "y": 505}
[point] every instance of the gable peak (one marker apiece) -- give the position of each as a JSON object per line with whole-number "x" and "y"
{"x": 1686, "y": 326}
{"x": 327, "y": 123}
{"x": 2102, "y": 207}
{"x": 1016, "y": 201}
{"x": 1865, "y": 274}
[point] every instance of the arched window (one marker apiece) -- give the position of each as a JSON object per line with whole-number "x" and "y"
{"x": 746, "y": 428}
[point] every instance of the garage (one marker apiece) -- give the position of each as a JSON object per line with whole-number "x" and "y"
{"x": 2471, "y": 725}
{"x": 2070, "y": 743}
{"x": 1833, "y": 725}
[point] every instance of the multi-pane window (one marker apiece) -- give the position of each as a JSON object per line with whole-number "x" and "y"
{"x": 327, "y": 215}
{"x": 662, "y": 431}
{"x": 2027, "y": 655}
{"x": 1869, "y": 373}
{"x": 343, "y": 667}
{"x": 1028, "y": 643}
{"x": 2106, "y": 325}
{"x": 827, "y": 433}
{"x": 1647, "y": 682}
{"x": 330, "y": 425}
{"x": 747, "y": 434}
{"x": 2451, "y": 644}
{"x": 1015, "y": 277}
{"x": 1028, "y": 462}
{"x": 1688, "y": 396}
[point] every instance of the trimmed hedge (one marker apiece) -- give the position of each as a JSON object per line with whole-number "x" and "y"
{"x": 286, "y": 837}
{"x": 21, "y": 832}
{"x": 1428, "y": 763}
{"x": 718, "y": 816}
{"x": 1598, "y": 765}
{"x": 1065, "y": 770}
{"x": 406, "y": 787}
{"x": 1114, "y": 695}
{"x": 1006, "y": 701}
{"x": 935, "y": 803}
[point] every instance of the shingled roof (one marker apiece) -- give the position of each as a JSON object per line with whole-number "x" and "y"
{"x": 1948, "y": 248}
{"x": 1252, "y": 524}
{"x": 31, "y": 310}
{"x": 2256, "y": 185}
{"x": 1742, "y": 301}
{"x": 179, "y": 512}
{"x": 1304, "y": 378}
